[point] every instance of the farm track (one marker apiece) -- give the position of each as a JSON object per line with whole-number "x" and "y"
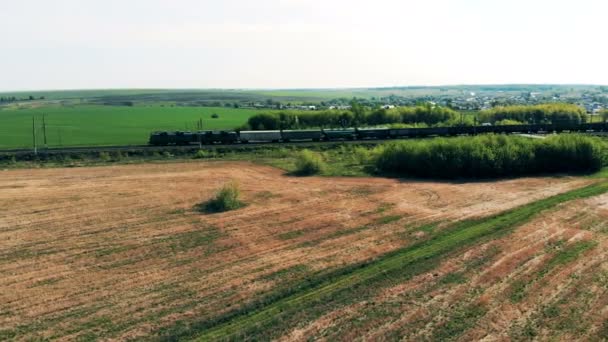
{"x": 118, "y": 252}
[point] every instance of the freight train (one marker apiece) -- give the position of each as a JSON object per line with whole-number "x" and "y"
{"x": 243, "y": 137}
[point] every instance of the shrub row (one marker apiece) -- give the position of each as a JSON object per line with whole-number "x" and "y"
{"x": 542, "y": 113}
{"x": 356, "y": 118}
{"x": 491, "y": 156}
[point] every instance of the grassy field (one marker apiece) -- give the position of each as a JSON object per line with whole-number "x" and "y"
{"x": 83, "y": 125}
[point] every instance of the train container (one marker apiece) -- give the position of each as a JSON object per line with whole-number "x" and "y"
{"x": 400, "y": 132}
{"x": 161, "y": 138}
{"x": 219, "y": 137}
{"x": 595, "y": 126}
{"x": 260, "y": 136}
{"x": 373, "y": 133}
{"x": 184, "y": 138}
{"x": 339, "y": 134}
{"x": 424, "y": 132}
{"x": 290, "y": 135}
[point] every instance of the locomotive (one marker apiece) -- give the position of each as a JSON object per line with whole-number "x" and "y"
{"x": 277, "y": 136}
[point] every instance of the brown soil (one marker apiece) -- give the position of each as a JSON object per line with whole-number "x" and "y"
{"x": 118, "y": 252}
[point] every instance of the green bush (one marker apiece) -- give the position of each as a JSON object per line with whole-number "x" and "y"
{"x": 226, "y": 199}
{"x": 204, "y": 154}
{"x": 104, "y": 156}
{"x": 491, "y": 156}
{"x": 309, "y": 163}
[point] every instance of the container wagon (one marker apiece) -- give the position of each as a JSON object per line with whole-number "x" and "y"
{"x": 373, "y": 133}
{"x": 260, "y": 136}
{"x": 339, "y": 134}
{"x": 290, "y": 135}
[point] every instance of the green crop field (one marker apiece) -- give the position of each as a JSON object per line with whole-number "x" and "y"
{"x": 88, "y": 125}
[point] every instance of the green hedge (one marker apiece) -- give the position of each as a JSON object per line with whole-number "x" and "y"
{"x": 491, "y": 156}
{"x": 541, "y": 113}
{"x": 348, "y": 118}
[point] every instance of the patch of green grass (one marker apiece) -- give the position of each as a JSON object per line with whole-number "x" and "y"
{"x": 291, "y": 235}
{"x": 453, "y": 278}
{"x": 517, "y": 291}
{"x": 361, "y": 191}
{"x": 387, "y": 219}
{"x": 94, "y": 125}
{"x": 194, "y": 239}
{"x": 46, "y": 282}
{"x": 383, "y": 207}
{"x": 567, "y": 254}
{"x": 253, "y": 320}
{"x": 286, "y": 273}
{"x": 461, "y": 319}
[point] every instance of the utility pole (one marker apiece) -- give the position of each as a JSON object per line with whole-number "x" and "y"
{"x": 34, "y": 134}
{"x": 44, "y": 131}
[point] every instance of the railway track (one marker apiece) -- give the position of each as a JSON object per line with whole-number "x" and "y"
{"x": 194, "y": 147}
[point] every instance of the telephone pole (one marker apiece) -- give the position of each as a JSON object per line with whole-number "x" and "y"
{"x": 44, "y": 131}
{"x": 34, "y": 134}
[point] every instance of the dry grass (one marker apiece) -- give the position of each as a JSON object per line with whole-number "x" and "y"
{"x": 119, "y": 252}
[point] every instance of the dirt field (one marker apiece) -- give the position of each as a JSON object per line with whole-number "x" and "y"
{"x": 548, "y": 280}
{"x": 120, "y": 252}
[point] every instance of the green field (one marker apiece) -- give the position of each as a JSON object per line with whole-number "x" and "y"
{"x": 88, "y": 125}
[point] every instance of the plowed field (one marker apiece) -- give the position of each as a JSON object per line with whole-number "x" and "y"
{"x": 120, "y": 252}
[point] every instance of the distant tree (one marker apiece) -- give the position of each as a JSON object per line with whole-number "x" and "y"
{"x": 358, "y": 112}
{"x": 264, "y": 121}
{"x": 31, "y": 98}
{"x": 604, "y": 115}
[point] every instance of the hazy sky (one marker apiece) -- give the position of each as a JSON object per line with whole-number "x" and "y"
{"x": 67, "y": 44}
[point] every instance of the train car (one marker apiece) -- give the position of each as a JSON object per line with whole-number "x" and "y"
{"x": 184, "y": 138}
{"x": 217, "y": 137}
{"x": 161, "y": 138}
{"x": 260, "y": 136}
{"x": 595, "y": 126}
{"x": 292, "y": 135}
{"x": 460, "y": 130}
{"x": 339, "y": 134}
{"x": 373, "y": 133}
{"x": 400, "y": 132}
{"x": 425, "y": 132}
{"x": 172, "y": 138}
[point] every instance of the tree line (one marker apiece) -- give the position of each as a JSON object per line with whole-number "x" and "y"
{"x": 418, "y": 116}
{"x": 541, "y": 113}
{"x": 15, "y": 99}
{"x": 357, "y": 116}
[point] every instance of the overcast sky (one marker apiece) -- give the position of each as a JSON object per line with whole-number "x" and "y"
{"x": 70, "y": 44}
